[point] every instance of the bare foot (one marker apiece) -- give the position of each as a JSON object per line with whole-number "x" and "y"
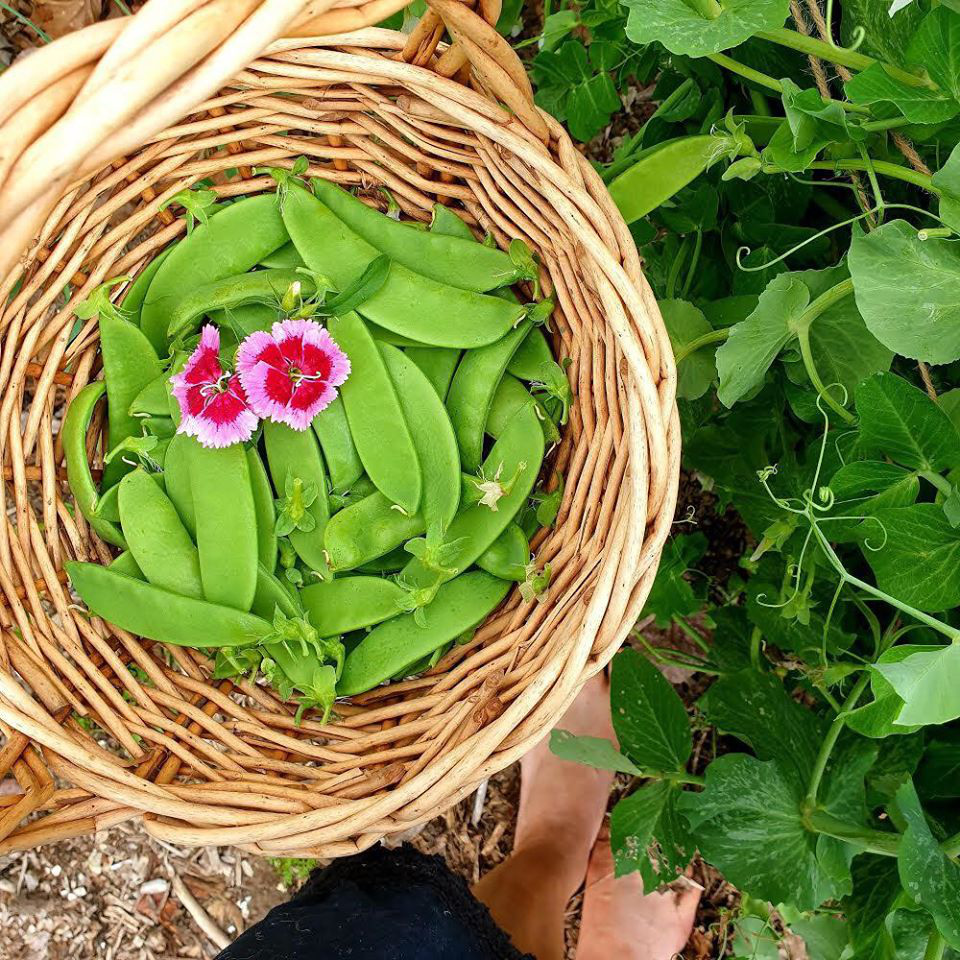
{"x": 620, "y": 921}
{"x": 562, "y": 799}
{"x": 561, "y": 808}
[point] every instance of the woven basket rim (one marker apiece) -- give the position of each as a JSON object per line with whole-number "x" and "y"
{"x": 593, "y": 261}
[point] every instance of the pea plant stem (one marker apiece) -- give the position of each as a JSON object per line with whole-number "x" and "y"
{"x": 710, "y": 9}
{"x": 814, "y": 47}
{"x": 872, "y": 841}
{"x": 830, "y": 740}
{"x": 714, "y": 336}
{"x": 883, "y": 167}
{"x": 936, "y": 947}
{"x": 951, "y": 846}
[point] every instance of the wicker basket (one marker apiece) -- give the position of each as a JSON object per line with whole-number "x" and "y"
{"x": 94, "y": 742}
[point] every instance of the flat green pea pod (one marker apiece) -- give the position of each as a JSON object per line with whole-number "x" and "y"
{"x": 85, "y": 493}
{"x": 153, "y": 400}
{"x": 272, "y": 594}
{"x": 472, "y": 391}
{"x": 512, "y": 397}
{"x": 246, "y": 318}
{"x": 108, "y": 506}
{"x": 659, "y": 172}
{"x": 438, "y": 363}
{"x": 528, "y": 362}
{"x": 125, "y": 564}
{"x": 295, "y": 455}
{"x": 157, "y": 538}
{"x": 176, "y": 475}
{"x": 137, "y": 291}
{"x": 226, "y": 520}
{"x": 442, "y": 257}
{"x": 231, "y": 243}
{"x": 350, "y": 603}
{"x": 433, "y": 439}
{"x": 407, "y": 303}
{"x": 363, "y": 487}
{"x": 369, "y": 529}
{"x": 339, "y": 450}
{"x": 390, "y": 562}
{"x": 505, "y": 481}
{"x": 508, "y": 556}
{"x": 263, "y": 506}
{"x": 380, "y": 431}
{"x": 284, "y": 258}
{"x": 458, "y": 606}
{"x": 157, "y": 614}
{"x": 383, "y": 335}
{"x": 129, "y": 364}
{"x": 262, "y": 287}
{"x": 445, "y": 221}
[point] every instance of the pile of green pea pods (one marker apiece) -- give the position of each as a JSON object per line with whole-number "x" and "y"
{"x": 358, "y": 550}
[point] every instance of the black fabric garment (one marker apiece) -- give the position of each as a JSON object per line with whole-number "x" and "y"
{"x": 380, "y": 905}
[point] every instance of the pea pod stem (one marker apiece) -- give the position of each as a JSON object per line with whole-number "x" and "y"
{"x": 883, "y": 167}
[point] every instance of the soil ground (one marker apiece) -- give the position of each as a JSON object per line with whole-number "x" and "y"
{"x": 114, "y": 896}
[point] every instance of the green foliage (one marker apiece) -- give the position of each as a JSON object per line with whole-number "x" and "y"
{"x": 798, "y": 304}
{"x": 292, "y": 871}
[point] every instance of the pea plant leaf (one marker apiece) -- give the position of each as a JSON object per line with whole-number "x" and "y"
{"x": 887, "y": 29}
{"x": 648, "y": 834}
{"x": 926, "y": 679}
{"x": 672, "y": 595}
{"x": 915, "y": 555}
{"x": 575, "y": 85}
{"x": 927, "y": 874}
{"x": 682, "y": 29}
{"x": 878, "y": 719}
{"x": 755, "y": 708}
{"x": 947, "y": 181}
{"x": 748, "y": 823}
{"x": 908, "y": 291}
{"x": 649, "y": 718}
{"x": 685, "y": 323}
{"x": 593, "y": 751}
{"x": 754, "y": 343}
{"x": 935, "y": 47}
{"x": 872, "y": 908}
{"x": 903, "y": 423}
{"x": 938, "y": 777}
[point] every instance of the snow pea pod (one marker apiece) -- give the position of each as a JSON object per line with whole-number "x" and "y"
{"x": 433, "y": 439}
{"x": 232, "y": 242}
{"x": 266, "y": 513}
{"x": 158, "y": 540}
{"x": 513, "y": 463}
{"x": 263, "y": 287}
{"x": 408, "y": 303}
{"x": 125, "y": 564}
{"x": 137, "y": 291}
{"x": 390, "y": 562}
{"x": 129, "y": 364}
{"x": 508, "y": 556}
{"x": 472, "y": 391}
{"x": 176, "y": 474}
{"x": 108, "y": 506}
{"x": 149, "y": 611}
{"x": 528, "y": 361}
{"x": 511, "y": 397}
{"x": 285, "y": 257}
{"x": 153, "y": 400}
{"x": 226, "y": 520}
{"x": 442, "y": 257}
{"x": 379, "y": 428}
{"x": 246, "y": 318}
{"x": 272, "y": 594}
{"x": 458, "y": 606}
{"x": 339, "y": 450}
{"x": 659, "y": 172}
{"x": 350, "y": 603}
{"x": 296, "y": 453}
{"x": 368, "y": 529}
{"x": 438, "y": 363}
{"x": 445, "y": 221}
{"x": 85, "y": 493}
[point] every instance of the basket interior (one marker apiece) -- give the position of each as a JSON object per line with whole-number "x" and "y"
{"x": 131, "y": 728}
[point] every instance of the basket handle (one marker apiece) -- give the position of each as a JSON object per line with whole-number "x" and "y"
{"x": 172, "y": 55}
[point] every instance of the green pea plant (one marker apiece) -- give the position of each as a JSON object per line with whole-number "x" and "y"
{"x": 792, "y": 181}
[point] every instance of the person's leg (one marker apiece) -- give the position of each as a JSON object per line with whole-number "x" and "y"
{"x": 620, "y": 921}
{"x": 562, "y": 805}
